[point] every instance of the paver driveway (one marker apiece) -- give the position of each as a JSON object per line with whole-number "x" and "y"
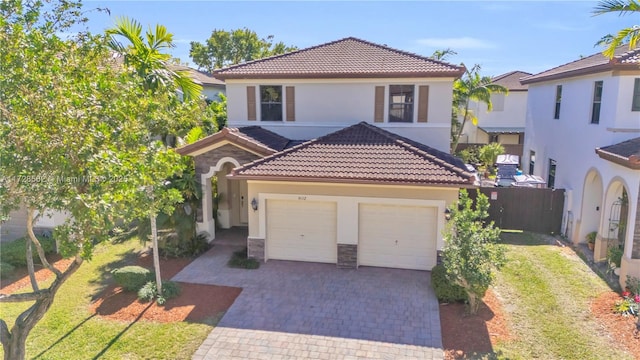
{"x": 301, "y": 310}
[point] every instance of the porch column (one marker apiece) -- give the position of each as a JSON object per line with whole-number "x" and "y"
{"x": 208, "y": 224}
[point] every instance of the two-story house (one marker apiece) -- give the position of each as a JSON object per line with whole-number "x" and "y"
{"x": 337, "y": 153}
{"x": 583, "y": 135}
{"x": 505, "y": 123}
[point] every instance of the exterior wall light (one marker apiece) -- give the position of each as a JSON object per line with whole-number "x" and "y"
{"x": 254, "y": 204}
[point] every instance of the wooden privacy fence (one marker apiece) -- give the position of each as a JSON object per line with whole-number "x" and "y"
{"x": 529, "y": 209}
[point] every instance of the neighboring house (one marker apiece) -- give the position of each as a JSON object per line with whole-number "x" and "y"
{"x": 505, "y": 124}
{"x": 583, "y": 135}
{"x": 372, "y": 186}
{"x": 211, "y": 87}
{"x": 16, "y": 225}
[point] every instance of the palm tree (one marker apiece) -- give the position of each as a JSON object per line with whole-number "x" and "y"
{"x": 472, "y": 86}
{"x": 443, "y": 55}
{"x": 146, "y": 55}
{"x": 630, "y": 34}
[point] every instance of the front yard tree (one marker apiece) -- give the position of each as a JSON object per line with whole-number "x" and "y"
{"x": 629, "y": 35}
{"x": 471, "y": 87}
{"x": 225, "y": 48}
{"x": 471, "y": 250}
{"x": 75, "y": 131}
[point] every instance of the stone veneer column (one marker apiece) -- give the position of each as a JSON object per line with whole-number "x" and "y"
{"x": 255, "y": 248}
{"x": 347, "y": 256}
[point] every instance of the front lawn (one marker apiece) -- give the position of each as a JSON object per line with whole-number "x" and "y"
{"x": 70, "y": 330}
{"x": 545, "y": 291}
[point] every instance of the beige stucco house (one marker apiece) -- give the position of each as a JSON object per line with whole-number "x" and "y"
{"x": 372, "y": 184}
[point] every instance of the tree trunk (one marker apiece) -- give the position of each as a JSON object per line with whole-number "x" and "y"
{"x": 156, "y": 255}
{"x": 456, "y": 140}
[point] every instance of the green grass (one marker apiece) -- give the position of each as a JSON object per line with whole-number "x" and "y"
{"x": 70, "y": 331}
{"x": 546, "y": 291}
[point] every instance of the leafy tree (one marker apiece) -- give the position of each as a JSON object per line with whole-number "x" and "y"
{"x": 629, "y": 35}
{"x": 471, "y": 87}
{"x": 225, "y": 48}
{"x": 215, "y": 115}
{"x": 75, "y": 131}
{"x": 147, "y": 57}
{"x": 443, "y": 55}
{"x": 489, "y": 153}
{"x": 471, "y": 251}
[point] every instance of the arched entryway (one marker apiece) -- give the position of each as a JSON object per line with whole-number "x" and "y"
{"x": 613, "y": 228}
{"x": 591, "y": 205}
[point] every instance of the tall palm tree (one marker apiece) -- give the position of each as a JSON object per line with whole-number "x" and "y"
{"x": 472, "y": 86}
{"x": 630, "y": 34}
{"x": 146, "y": 55}
{"x": 443, "y": 55}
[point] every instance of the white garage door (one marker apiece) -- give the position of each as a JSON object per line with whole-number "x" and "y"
{"x": 397, "y": 236}
{"x": 301, "y": 230}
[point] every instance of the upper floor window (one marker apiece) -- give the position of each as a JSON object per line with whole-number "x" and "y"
{"x": 532, "y": 162}
{"x": 597, "y": 99}
{"x": 556, "y": 113}
{"x": 551, "y": 180}
{"x": 401, "y": 103}
{"x": 635, "y": 103}
{"x": 271, "y": 103}
{"x": 497, "y": 102}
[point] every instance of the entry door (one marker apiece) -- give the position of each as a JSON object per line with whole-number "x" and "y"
{"x": 244, "y": 202}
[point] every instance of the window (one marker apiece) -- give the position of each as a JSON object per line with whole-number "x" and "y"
{"x": 597, "y": 99}
{"x": 551, "y": 181}
{"x": 493, "y": 138}
{"x": 556, "y": 114}
{"x": 401, "y": 103}
{"x": 635, "y": 102}
{"x": 271, "y": 103}
{"x": 497, "y": 101}
{"x": 532, "y": 161}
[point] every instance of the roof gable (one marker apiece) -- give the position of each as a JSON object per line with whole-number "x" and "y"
{"x": 511, "y": 80}
{"x": 345, "y": 58}
{"x": 361, "y": 153}
{"x": 623, "y": 59}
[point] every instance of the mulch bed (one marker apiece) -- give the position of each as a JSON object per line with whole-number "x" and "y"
{"x": 621, "y": 328}
{"x": 464, "y": 335}
{"x": 19, "y": 278}
{"x": 196, "y": 303}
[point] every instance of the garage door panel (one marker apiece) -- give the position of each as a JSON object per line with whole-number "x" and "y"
{"x": 397, "y": 236}
{"x": 301, "y": 230}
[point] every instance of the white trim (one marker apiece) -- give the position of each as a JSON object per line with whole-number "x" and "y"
{"x": 384, "y": 125}
{"x": 207, "y": 224}
{"x": 284, "y": 82}
{"x": 225, "y": 142}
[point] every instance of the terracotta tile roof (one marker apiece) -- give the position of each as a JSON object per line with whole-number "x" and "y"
{"x": 623, "y": 59}
{"x": 511, "y": 80}
{"x": 361, "y": 153}
{"x": 349, "y": 57}
{"x": 626, "y": 153}
{"x": 198, "y": 76}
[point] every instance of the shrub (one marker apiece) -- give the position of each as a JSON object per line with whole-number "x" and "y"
{"x": 240, "y": 259}
{"x": 446, "y": 291}
{"x": 14, "y": 252}
{"x": 132, "y": 278}
{"x": 174, "y": 248}
{"x": 5, "y": 269}
{"x": 149, "y": 292}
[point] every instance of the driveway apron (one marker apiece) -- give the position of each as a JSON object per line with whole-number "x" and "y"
{"x": 298, "y": 310}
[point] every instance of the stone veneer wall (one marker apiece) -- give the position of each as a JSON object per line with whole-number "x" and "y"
{"x": 347, "y": 256}
{"x": 255, "y": 249}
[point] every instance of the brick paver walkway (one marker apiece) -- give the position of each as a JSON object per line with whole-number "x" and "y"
{"x": 296, "y": 310}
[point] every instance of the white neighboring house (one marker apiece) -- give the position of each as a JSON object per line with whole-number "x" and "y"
{"x": 16, "y": 226}
{"x": 211, "y": 87}
{"x": 583, "y": 135}
{"x": 505, "y": 124}
{"x": 370, "y": 187}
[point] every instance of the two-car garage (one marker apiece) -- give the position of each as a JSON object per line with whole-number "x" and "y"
{"x": 386, "y": 234}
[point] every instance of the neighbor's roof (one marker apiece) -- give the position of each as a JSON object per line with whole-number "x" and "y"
{"x": 626, "y": 153}
{"x": 361, "y": 153}
{"x": 501, "y": 129}
{"x": 511, "y": 80}
{"x": 255, "y": 138}
{"x": 198, "y": 76}
{"x": 349, "y": 57}
{"x": 623, "y": 59}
